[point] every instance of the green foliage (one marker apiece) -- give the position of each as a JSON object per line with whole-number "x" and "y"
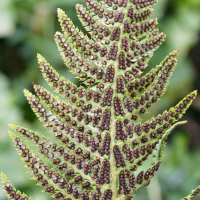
{"x": 100, "y": 140}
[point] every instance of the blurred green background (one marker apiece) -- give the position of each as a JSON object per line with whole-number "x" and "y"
{"x": 27, "y": 27}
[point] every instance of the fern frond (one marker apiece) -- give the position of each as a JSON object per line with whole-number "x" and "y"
{"x": 100, "y": 141}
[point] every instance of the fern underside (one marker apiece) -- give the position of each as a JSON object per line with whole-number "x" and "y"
{"x": 100, "y": 139}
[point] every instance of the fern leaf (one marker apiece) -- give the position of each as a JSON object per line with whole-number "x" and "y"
{"x": 100, "y": 139}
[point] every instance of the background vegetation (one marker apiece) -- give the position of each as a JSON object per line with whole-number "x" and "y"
{"x": 28, "y": 27}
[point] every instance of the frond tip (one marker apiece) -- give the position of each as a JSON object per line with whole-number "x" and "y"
{"x": 11, "y": 192}
{"x": 157, "y": 153}
{"x": 193, "y": 194}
